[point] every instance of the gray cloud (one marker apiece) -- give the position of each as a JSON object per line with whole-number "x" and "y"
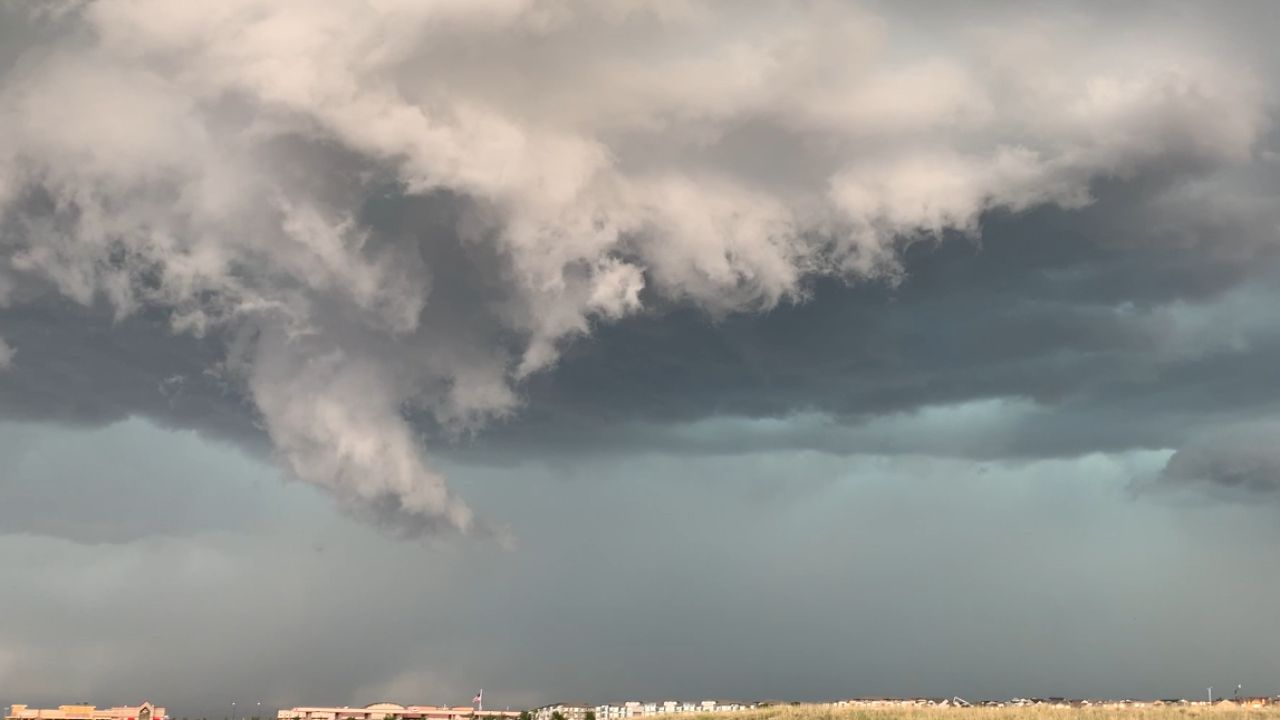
{"x": 1073, "y": 345}
{"x": 334, "y": 218}
{"x": 1238, "y": 461}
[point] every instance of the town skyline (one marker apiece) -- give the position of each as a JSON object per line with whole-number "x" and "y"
{"x": 385, "y": 710}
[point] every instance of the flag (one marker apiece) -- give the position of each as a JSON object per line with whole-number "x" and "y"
{"x": 479, "y": 696}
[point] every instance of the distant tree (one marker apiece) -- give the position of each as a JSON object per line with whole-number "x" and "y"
{"x": 526, "y": 715}
{"x": 557, "y": 715}
{"x": 591, "y": 715}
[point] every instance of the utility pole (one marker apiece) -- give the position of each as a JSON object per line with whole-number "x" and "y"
{"x": 1210, "y": 694}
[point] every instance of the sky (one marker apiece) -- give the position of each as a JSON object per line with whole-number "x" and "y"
{"x": 387, "y": 350}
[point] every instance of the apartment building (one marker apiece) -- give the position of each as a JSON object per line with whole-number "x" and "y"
{"x": 393, "y": 711}
{"x": 569, "y": 711}
{"x": 637, "y": 708}
{"x": 145, "y": 711}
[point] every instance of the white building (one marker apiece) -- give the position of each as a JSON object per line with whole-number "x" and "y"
{"x": 393, "y": 711}
{"x": 568, "y": 711}
{"x": 639, "y": 709}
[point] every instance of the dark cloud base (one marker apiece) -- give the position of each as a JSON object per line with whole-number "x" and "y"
{"x": 1069, "y": 310}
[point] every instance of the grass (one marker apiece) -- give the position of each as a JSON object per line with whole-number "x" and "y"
{"x": 1038, "y": 712}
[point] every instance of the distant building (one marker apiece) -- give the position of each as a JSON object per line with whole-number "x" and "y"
{"x": 392, "y": 711}
{"x": 637, "y": 708}
{"x": 145, "y": 711}
{"x": 569, "y": 711}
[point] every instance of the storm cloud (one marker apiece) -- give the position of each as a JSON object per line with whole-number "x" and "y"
{"x": 757, "y": 333}
{"x": 344, "y": 228}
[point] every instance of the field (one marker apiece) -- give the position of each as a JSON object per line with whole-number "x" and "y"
{"x": 1220, "y": 711}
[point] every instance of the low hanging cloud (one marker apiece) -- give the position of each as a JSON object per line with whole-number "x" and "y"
{"x": 1240, "y": 460}
{"x": 391, "y": 209}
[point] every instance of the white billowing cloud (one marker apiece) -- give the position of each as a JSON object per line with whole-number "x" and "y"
{"x": 333, "y": 416}
{"x": 936, "y": 191}
{"x": 6, "y": 354}
{"x": 214, "y": 163}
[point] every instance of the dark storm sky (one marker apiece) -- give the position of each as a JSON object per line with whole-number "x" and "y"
{"x": 358, "y": 351}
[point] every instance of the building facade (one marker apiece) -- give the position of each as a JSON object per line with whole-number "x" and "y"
{"x": 392, "y": 711}
{"x": 637, "y": 708}
{"x": 568, "y": 711}
{"x": 145, "y": 711}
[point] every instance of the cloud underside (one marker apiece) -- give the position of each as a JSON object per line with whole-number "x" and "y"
{"x": 330, "y": 231}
